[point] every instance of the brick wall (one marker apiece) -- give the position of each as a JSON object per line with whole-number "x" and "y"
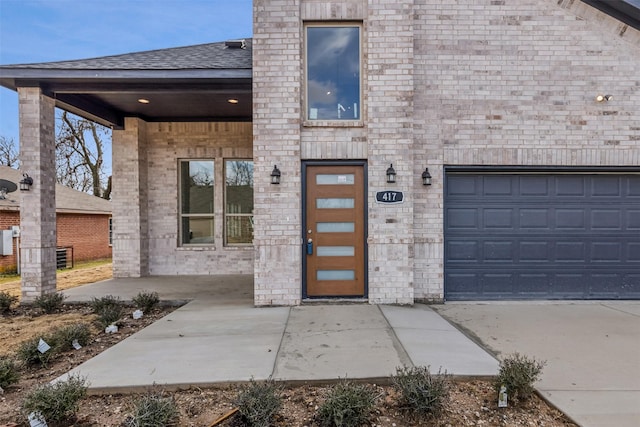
{"x": 514, "y": 83}
{"x": 8, "y": 262}
{"x": 88, "y": 234}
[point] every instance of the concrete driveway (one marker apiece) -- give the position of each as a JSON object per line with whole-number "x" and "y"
{"x": 592, "y": 351}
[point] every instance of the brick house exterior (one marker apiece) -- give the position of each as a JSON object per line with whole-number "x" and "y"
{"x": 535, "y": 168}
{"x": 82, "y": 222}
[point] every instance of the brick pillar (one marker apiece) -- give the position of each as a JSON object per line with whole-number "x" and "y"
{"x": 389, "y": 92}
{"x": 129, "y": 200}
{"x": 276, "y": 141}
{"x": 38, "y": 206}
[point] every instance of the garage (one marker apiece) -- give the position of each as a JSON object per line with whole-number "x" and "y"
{"x": 539, "y": 235}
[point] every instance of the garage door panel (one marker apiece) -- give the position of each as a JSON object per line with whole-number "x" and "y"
{"x": 570, "y": 219}
{"x": 534, "y": 218}
{"x": 536, "y": 236}
{"x": 466, "y": 251}
{"x": 633, "y": 219}
{"x": 497, "y": 251}
{"x": 605, "y": 252}
{"x": 570, "y": 252}
{"x": 534, "y": 251}
{"x": 534, "y": 186}
{"x": 606, "y": 219}
{"x": 462, "y": 218}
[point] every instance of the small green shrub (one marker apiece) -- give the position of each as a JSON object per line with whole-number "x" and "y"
{"x": 146, "y": 301}
{"x": 62, "y": 338}
{"x": 49, "y": 303}
{"x": 347, "y": 405}
{"x": 153, "y": 410}
{"x": 6, "y": 300}
{"x": 110, "y": 315}
{"x": 8, "y": 372}
{"x": 259, "y": 402}
{"x": 518, "y": 373}
{"x": 99, "y": 304}
{"x": 29, "y": 354}
{"x": 109, "y": 310}
{"x": 56, "y": 402}
{"x": 421, "y": 392}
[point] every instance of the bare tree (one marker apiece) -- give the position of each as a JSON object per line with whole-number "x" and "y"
{"x": 9, "y": 155}
{"x": 80, "y": 147}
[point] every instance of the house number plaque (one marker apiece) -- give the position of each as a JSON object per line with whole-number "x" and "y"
{"x": 389, "y": 197}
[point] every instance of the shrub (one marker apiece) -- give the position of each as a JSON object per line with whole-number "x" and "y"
{"x": 8, "y": 372}
{"x": 518, "y": 373}
{"x": 29, "y": 354}
{"x": 258, "y": 403}
{"x": 153, "y": 410}
{"x": 49, "y": 303}
{"x": 109, "y": 309}
{"x": 347, "y": 405}
{"x": 99, "y": 304}
{"x": 110, "y": 315}
{"x": 6, "y": 300}
{"x": 62, "y": 338}
{"x": 146, "y": 301}
{"x": 56, "y": 402}
{"x": 421, "y": 392}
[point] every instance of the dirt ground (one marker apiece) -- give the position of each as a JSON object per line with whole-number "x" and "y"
{"x": 471, "y": 403}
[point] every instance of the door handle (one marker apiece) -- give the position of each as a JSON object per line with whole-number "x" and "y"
{"x": 309, "y": 247}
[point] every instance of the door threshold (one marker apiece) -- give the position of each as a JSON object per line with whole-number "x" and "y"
{"x": 334, "y": 300}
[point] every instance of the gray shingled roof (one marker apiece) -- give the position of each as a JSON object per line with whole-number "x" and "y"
{"x": 68, "y": 200}
{"x": 205, "y": 56}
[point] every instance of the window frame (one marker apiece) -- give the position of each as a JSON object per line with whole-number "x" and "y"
{"x": 307, "y": 121}
{"x": 182, "y": 215}
{"x": 225, "y": 214}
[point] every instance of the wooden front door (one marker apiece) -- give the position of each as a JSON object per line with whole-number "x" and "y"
{"x": 335, "y": 231}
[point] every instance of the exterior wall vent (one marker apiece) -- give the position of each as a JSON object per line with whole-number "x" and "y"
{"x": 235, "y": 44}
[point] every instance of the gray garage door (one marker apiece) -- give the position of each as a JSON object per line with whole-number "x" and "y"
{"x": 540, "y": 236}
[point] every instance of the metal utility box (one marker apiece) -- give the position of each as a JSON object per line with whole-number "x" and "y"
{"x": 6, "y": 242}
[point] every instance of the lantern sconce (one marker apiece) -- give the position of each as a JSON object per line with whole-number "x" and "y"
{"x": 26, "y": 182}
{"x": 426, "y": 177}
{"x": 391, "y": 174}
{"x": 601, "y": 98}
{"x": 275, "y": 175}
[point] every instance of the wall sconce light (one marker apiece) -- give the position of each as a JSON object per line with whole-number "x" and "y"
{"x": 426, "y": 177}
{"x": 275, "y": 175}
{"x": 601, "y": 98}
{"x": 26, "y": 182}
{"x": 391, "y": 174}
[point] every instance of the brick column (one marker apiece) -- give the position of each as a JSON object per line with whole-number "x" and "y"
{"x": 276, "y": 141}
{"x": 129, "y": 200}
{"x": 38, "y": 206}
{"x": 389, "y": 90}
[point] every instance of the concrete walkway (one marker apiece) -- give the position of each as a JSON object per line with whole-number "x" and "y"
{"x": 592, "y": 351}
{"x": 222, "y": 338}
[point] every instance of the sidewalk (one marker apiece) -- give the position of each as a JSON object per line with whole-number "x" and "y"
{"x": 212, "y": 340}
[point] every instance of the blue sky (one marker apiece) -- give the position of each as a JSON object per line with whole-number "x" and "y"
{"x": 53, "y": 30}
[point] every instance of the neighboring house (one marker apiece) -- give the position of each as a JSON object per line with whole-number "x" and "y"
{"x": 524, "y": 114}
{"x": 82, "y": 223}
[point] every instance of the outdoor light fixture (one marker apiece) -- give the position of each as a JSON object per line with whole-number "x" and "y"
{"x": 426, "y": 177}
{"x": 275, "y": 175}
{"x": 601, "y": 98}
{"x": 143, "y": 101}
{"x": 391, "y": 174}
{"x": 232, "y": 101}
{"x": 26, "y": 182}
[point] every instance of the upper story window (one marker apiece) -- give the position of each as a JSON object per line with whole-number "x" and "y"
{"x": 196, "y": 202}
{"x": 333, "y": 61}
